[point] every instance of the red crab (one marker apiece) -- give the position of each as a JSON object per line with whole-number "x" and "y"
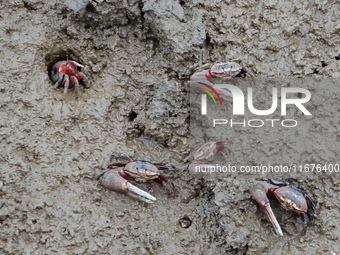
{"x": 67, "y": 74}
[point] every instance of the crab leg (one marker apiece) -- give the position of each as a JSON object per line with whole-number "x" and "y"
{"x": 66, "y": 83}
{"x": 60, "y": 79}
{"x": 84, "y": 79}
{"x": 111, "y": 180}
{"x": 259, "y": 194}
{"x": 75, "y": 82}
{"x": 76, "y": 64}
{"x": 166, "y": 183}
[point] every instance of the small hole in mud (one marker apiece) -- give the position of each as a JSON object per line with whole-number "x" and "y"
{"x": 63, "y": 12}
{"x": 140, "y": 6}
{"x": 154, "y": 42}
{"x": 187, "y": 120}
{"x": 140, "y": 130}
{"x": 207, "y": 39}
{"x": 316, "y": 70}
{"x": 324, "y": 64}
{"x": 34, "y": 221}
{"x": 337, "y": 57}
{"x": 87, "y": 27}
{"x": 181, "y": 2}
{"x": 30, "y": 6}
{"x": 132, "y": 115}
{"x": 166, "y": 143}
{"x": 185, "y": 222}
{"x": 90, "y": 8}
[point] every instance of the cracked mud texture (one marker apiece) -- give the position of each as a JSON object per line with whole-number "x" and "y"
{"x": 139, "y": 56}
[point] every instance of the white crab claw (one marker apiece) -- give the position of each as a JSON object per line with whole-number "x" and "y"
{"x": 111, "y": 180}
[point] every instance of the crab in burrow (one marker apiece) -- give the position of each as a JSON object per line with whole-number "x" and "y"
{"x": 290, "y": 198}
{"x": 203, "y": 80}
{"x": 205, "y": 154}
{"x": 66, "y": 73}
{"x": 116, "y": 178}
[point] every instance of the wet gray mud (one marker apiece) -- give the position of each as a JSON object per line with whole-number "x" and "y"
{"x": 138, "y": 57}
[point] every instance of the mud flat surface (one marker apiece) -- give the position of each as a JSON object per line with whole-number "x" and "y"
{"x": 138, "y": 56}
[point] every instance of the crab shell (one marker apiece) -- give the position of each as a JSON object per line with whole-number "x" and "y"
{"x": 142, "y": 171}
{"x": 292, "y": 198}
{"x": 222, "y": 70}
{"x": 69, "y": 68}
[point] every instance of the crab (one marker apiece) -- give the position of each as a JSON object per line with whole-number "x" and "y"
{"x": 290, "y": 198}
{"x": 204, "y": 77}
{"x": 116, "y": 178}
{"x": 207, "y": 151}
{"x": 67, "y": 74}
{"x": 205, "y": 154}
{"x": 224, "y": 71}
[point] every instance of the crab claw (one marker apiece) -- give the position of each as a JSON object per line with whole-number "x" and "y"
{"x": 111, "y": 180}
{"x": 259, "y": 194}
{"x": 74, "y": 64}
